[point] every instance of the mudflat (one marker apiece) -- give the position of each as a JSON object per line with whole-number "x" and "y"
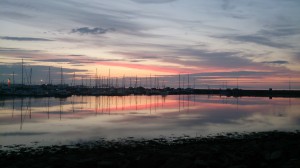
{"x": 263, "y": 149}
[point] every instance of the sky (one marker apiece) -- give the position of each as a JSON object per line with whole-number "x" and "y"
{"x": 254, "y": 44}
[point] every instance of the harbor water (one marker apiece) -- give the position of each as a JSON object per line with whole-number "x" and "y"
{"x": 50, "y": 121}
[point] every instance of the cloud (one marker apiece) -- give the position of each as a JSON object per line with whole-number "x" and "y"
{"x": 279, "y": 62}
{"x": 211, "y": 59}
{"x": 137, "y": 56}
{"x": 157, "y": 68}
{"x": 257, "y": 39}
{"x": 22, "y": 133}
{"x": 279, "y": 32}
{"x": 9, "y": 50}
{"x": 15, "y": 15}
{"x": 76, "y": 55}
{"x": 226, "y": 5}
{"x": 96, "y": 30}
{"x": 296, "y": 56}
{"x": 153, "y": 1}
{"x": 235, "y": 73}
{"x": 23, "y": 38}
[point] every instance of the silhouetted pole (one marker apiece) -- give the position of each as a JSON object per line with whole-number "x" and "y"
{"x": 13, "y": 84}
{"x": 30, "y": 76}
{"x": 96, "y": 79}
{"x": 130, "y": 82}
{"x": 135, "y": 81}
{"x": 90, "y": 81}
{"x": 179, "y": 81}
{"x": 49, "y": 77}
{"x": 61, "y": 76}
{"x": 150, "y": 82}
{"x": 22, "y": 72}
{"x": 188, "y": 80}
{"x": 194, "y": 84}
{"x": 289, "y": 83}
{"x": 116, "y": 82}
{"x": 146, "y": 83}
{"x": 140, "y": 82}
{"x": 74, "y": 81}
{"x": 108, "y": 79}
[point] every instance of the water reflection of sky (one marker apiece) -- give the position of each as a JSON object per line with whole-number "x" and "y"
{"x": 54, "y": 120}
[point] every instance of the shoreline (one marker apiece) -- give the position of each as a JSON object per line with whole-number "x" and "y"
{"x": 163, "y": 92}
{"x": 257, "y": 149}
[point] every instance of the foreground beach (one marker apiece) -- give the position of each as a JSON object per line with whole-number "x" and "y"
{"x": 265, "y": 149}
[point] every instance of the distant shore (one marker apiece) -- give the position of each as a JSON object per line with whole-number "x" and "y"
{"x": 264, "y": 149}
{"x": 67, "y": 91}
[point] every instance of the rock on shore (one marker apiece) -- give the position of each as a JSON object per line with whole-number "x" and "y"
{"x": 265, "y": 149}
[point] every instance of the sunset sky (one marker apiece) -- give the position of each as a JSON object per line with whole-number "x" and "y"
{"x": 254, "y": 42}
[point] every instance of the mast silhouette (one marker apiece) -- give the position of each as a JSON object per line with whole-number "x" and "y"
{"x": 22, "y": 72}
{"x": 61, "y": 76}
{"x": 49, "y": 77}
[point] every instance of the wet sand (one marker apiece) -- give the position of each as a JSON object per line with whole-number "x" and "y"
{"x": 264, "y": 149}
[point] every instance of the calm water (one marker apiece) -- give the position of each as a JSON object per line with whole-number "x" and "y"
{"x": 82, "y": 118}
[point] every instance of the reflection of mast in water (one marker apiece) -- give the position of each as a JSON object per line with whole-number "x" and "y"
{"x": 162, "y": 101}
{"x": 21, "y": 125}
{"x": 96, "y": 105}
{"x": 140, "y": 99}
{"x": 90, "y": 101}
{"x": 129, "y": 101}
{"x": 208, "y": 96}
{"x": 22, "y": 116}
{"x": 102, "y": 104}
{"x": 150, "y": 103}
{"x": 188, "y": 103}
{"x": 183, "y": 100}
{"x": 225, "y": 100}
{"x": 155, "y": 102}
{"x": 81, "y": 102}
{"x": 237, "y": 103}
{"x": 290, "y": 105}
{"x": 60, "y": 108}
{"x": 108, "y": 103}
{"x": 72, "y": 102}
{"x": 179, "y": 101}
{"x": 122, "y": 99}
{"x": 135, "y": 97}
{"x": 116, "y": 101}
{"x": 28, "y": 108}
{"x": 13, "y": 108}
{"x": 146, "y": 102}
{"x": 48, "y": 104}
{"x": 29, "y": 104}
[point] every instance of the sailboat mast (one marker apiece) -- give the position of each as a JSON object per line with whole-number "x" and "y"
{"x": 96, "y": 79}
{"x": 13, "y": 79}
{"x": 150, "y": 82}
{"x": 188, "y": 80}
{"x": 179, "y": 81}
{"x": 30, "y": 76}
{"x": 22, "y": 72}
{"x": 49, "y": 77}
{"x": 136, "y": 81}
{"x": 61, "y": 76}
